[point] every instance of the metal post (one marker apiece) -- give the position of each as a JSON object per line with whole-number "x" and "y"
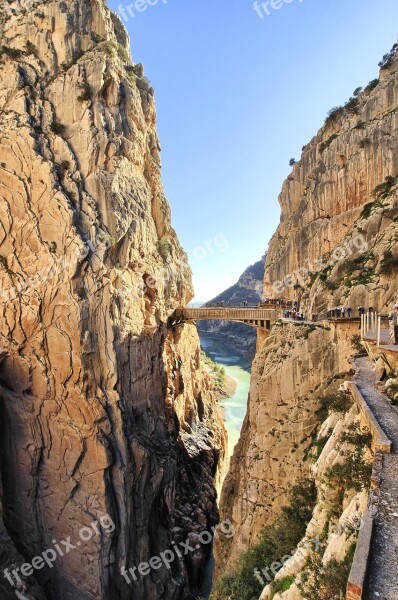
{"x": 378, "y": 331}
{"x": 362, "y": 327}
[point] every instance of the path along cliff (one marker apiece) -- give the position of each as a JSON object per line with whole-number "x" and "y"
{"x": 336, "y": 245}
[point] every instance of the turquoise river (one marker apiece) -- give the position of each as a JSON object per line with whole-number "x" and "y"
{"x": 239, "y": 369}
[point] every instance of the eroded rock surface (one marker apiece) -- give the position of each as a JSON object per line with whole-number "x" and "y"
{"x": 103, "y": 408}
{"x": 336, "y": 245}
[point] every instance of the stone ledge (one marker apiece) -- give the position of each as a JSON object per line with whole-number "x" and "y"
{"x": 381, "y": 441}
{"x": 359, "y": 569}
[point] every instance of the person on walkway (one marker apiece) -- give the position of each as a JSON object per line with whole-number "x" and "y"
{"x": 349, "y": 311}
{"x": 393, "y": 318}
{"x": 343, "y": 312}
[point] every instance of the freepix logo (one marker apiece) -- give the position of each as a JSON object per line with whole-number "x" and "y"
{"x": 264, "y": 9}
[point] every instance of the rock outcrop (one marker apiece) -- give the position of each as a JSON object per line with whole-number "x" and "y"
{"x": 337, "y": 244}
{"x": 104, "y": 410}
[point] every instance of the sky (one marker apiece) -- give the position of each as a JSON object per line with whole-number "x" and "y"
{"x": 238, "y": 93}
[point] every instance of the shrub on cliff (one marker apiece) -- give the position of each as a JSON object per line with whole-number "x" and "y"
{"x": 387, "y": 59}
{"x": 164, "y": 247}
{"x": 276, "y": 541}
{"x": 329, "y": 581}
{"x": 339, "y": 402}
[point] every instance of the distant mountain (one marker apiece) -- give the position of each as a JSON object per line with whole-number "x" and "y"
{"x": 248, "y": 288}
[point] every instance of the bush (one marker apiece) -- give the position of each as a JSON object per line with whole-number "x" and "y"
{"x": 383, "y": 190}
{"x": 369, "y": 208}
{"x": 292, "y": 162}
{"x": 388, "y": 263}
{"x": 13, "y": 53}
{"x": 31, "y": 48}
{"x": 327, "y": 582}
{"x": 356, "y": 343}
{"x": 57, "y": 128}
{"x": 276, "y": 541}
{"x": 372, "y": 85}
{"x": 353, "y": 474}
{"x": 164, "y": 247}
{"x": 334, "y": 114}
{"x": 387, "y": 59}
{"x": 326, "y": 144}
{"x": 340, "y": 402}
{"x": 282, "y": 586}
{"x": 352, "y": 106}
{"x": 86, "y": 91}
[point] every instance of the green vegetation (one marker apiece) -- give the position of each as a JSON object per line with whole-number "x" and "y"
{"x": 326, "y": 144}
{"x": 281, "y": 586}
{"x": 123, "y": 53}
{"x": 387, "y": 59}
{"x": 372, "y": 85}
{"x": 13, "y": 53}
{"x": 370, "y": 207}
{"x": 96, "y": 37}
{"x": 388, "y": 263}
{"x": 339, "y": 402}
{"x": 385, "y": 189}
{"x": 354, "y": 473}
{"x": 164, "y": 247}
{"x": 31, "y": 49}
{"x": 57, "y": 128}
{"x": 86, "y": 91}
{"x": 356, "y": 343}
{"x": 360, "y": 125}
{"x": 327, "y": 582}
{"x": 218, "y": 372}
{"x": 334, "y": 114}
{"x": 276, "y": 541}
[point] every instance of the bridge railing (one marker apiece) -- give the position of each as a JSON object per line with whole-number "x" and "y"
{"x": 232, "y": 314}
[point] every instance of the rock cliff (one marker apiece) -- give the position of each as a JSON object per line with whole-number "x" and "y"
{"x": 337, "y": 243}
{"x": 104, "y": 410}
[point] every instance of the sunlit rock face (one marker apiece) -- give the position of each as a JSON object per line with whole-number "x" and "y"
{"x": 336, "y": 245}
{"x": 104, "y": 410}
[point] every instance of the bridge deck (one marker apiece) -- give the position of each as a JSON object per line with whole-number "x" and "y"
{"x": 256, "y": 317}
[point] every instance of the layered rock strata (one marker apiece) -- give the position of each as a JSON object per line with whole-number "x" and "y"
{"x": 104, "y": 410}
{"x": 337, "y": 244}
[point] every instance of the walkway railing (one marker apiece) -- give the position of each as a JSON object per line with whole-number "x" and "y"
{"x": 376, "y": 328}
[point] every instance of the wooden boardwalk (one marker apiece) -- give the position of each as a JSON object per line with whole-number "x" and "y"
{"x": 262, "y": 318}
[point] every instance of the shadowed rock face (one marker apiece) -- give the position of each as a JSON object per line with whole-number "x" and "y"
{"x": 103, "y": 409}
{"x": 328, "y": 203}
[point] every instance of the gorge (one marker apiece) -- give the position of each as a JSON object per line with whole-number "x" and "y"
{"x": 109, "y": 421}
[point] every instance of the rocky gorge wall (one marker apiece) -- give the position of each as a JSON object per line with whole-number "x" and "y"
{"x": 336, "y": 244}
{"x": 104, "y": 410}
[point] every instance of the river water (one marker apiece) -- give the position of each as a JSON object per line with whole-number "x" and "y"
{"x": 234, "y": 408}
{"x": 239, "y": 369}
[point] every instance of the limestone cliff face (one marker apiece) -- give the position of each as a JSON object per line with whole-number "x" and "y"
{"x": 336, "y": 244}
{"x": 103, "y": 408}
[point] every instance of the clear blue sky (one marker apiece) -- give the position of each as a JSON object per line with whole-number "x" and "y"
{"x": 238, "y": 96}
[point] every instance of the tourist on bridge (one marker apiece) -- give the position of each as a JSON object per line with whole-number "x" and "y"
{"x": 349, "y": 311}
{"x": 393, "y": 318}
{"x": 342, "y": 310}
{"x": 361, "y": 310}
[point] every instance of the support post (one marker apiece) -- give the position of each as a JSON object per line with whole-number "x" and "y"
{"x": 378, "y": 331}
